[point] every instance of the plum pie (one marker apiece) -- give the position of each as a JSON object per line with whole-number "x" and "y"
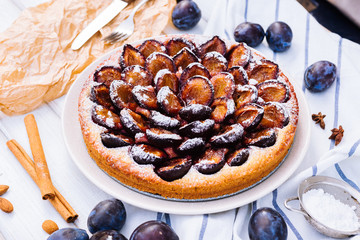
{"x": 188, "y": 117}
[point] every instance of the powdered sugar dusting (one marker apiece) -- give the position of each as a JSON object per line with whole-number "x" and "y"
{"x": 329, "y": 211}
{"x": 218, "y": 56}
{"x": 161, "y": 74}
{"x": 155, "y": 55}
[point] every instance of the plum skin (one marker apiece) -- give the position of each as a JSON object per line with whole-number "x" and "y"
{"x": 320, "y": 76}
{"x": 154, "y": 230}
{"x": 250, "y": 33}
{"x": 186, "y": 15}
{"x": 108, "y": 234}
{"x": 267, "y": 224}
{"x": 69, "y": 234}
{"x": 109, "y": 214}
{"x": 279, "y": 36}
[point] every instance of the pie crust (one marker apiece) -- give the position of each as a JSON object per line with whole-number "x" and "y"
{"x": 118, "y": 163}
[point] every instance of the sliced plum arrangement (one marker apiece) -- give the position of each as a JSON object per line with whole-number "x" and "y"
{"x": 213, "y": 45}
{"x": 192, "y": 70}
{"x": 239, "y": 74}
{"x": 174, "y": 45}
{"x": 185, "y": 57}
{"x": 157, "y": 61}
{"x": 107, "y": 74}
{"x": 239, "y": 55}
{"x": 267, "y": 70}
{"x": 165, "y": 78}
{"x": 121, "y": 95}
{"x": 214, "y": 62}
{"x": 245, "y": 94}
{"x": 194, "y": 112}
{"x": 238, "y": 157}
{"x": 147, "y": 154}
{"x": 273, "y": 91}
{"x": 150, "y": 46}
{"x": 211, "y": 161}
{"x": 112, "y": 140}
{"x": 182, "y": 107}
{"x": 168, "y": 101}
{"x": 101, "y": 95}
{"x": 131, "y": 56}
{"x": 173, "y": 169}
{"x": 137, "y": 75}
{"x": 249, "y": 115}
{"x": 163, "y": 138}
{"x": 198, "y": 90}
{"x": 105, "y": 117}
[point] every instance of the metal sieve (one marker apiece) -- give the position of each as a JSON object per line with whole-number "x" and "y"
{"x": 339, "y": 189}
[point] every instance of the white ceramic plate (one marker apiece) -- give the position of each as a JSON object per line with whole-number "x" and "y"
{"x": 77, "y": 149}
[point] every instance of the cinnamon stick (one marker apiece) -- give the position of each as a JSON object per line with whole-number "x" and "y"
{"x": 59, "y": 202}
{"x": 41, "y": 168}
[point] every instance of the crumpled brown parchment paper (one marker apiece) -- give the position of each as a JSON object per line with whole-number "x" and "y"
{"x": 37, "y": 64}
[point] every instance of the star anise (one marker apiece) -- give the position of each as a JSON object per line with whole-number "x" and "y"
{"x": 337, "y": 134}
{"x": 319, "y": 118}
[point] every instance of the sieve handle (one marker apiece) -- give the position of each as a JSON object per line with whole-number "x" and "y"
{"x": 291, "y": 208}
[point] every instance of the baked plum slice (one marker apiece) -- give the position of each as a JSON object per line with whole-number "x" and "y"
{"x": 211, "y": 161}
{"x": 245, "y": 94}
{"x": 223, "y": 109}
{"x": 263, "y": 138}
{"x": 132, "y": 122}
{"x": 197, "y": 128}
{"x": 162, "y": 121}
{"x": 150, "y": 46}
{"x": 131, "y": 56}
{"x": 194, "y": 112}
{"x": 121, "y": 96}
{"x": 101, "y": 95}
{"x": 112, "y": 140}
{"x": 173, "y": 169}
{"x": 197, "y": 90}
{"x": 275, "y": 116}
{"x": 165, "y": 78}
{"x": 240, "y": 75}
{"x": 267, "y": 70}
{"x": 168, "y": 101}
{"x": 224, "y": 85}
{"x": 238, "y": 55}
{"x": 237, "y": 157}
{"x": 214, "y": 62}
{"x": 176, "y": 44}
{"x": 249, "y": 115}
{"x": 107, "y": 74}
{"x": 143, "y": 112}
{"x": 147, "y": 154}
{"x": 141, "y": 138}
{"x": 193, "y": 69}
{"x": 213, "y": 45}
{"x": 105, "y": 117}
{"x": 192, "y": 146}
{"x": 145, "y": 96}
{"x": 162, "y": 138}
{"x": 273, "y": 91}
{"x": 137, "y": 75}
{"x": 228, "y": 137}
{"x": 185, "y": 57}
{"x": 157, "y": 61}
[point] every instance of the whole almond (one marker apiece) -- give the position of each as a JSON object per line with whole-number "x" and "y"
{"x": 6, "y": 205}
{"x": 3, "y": 189}
{"x": 49, "y": 226}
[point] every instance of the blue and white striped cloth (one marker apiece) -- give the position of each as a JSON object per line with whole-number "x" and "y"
{"x": 311, "y": 43}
